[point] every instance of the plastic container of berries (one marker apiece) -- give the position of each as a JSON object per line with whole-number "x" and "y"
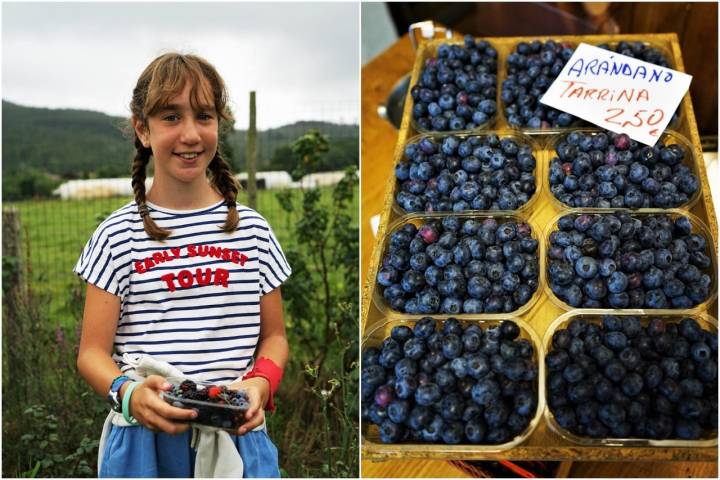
{"x": 520, "y": 55}
{"x": 464, "y": 105}
{"x": 486, "y": 301}
{"x": 667, "y": 177}
{"x": 496, "y": 171}
{"x": 219, "y": 407}
{"x": 687, "y": 390}
{"x": 385, "y": 331}
{"x": 660, "y": 286}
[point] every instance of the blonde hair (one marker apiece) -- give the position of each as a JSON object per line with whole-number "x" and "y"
{"x": 162, "y": 80}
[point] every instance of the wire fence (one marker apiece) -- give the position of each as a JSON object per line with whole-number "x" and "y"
{"x": 53, "y": 231}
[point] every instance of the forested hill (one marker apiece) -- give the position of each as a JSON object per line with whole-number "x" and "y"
{"x": 81, "y": 143}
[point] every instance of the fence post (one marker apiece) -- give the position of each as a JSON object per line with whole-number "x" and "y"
{"x": 14, "y": 296}
{"x": 251, "y": 156}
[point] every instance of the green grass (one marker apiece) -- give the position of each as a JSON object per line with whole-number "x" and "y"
{"x": 310, "y": 428}
{"x": 55, "y": 232}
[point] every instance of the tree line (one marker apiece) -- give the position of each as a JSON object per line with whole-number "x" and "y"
{"x": 45, "y": 147}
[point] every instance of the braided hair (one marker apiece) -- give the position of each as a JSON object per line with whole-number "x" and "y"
{"x": 164, "y": 78}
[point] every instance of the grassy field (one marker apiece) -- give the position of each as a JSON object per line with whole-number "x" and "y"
{"x": 51, "y": 419}
{"x": 55, "y": 232}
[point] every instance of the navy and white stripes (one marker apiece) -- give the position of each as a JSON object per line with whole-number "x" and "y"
{"x": 194, "y": 299}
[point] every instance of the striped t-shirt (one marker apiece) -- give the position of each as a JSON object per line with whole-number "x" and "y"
{"x": 193, "y": 300}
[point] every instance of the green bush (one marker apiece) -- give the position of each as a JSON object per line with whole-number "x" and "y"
{"x": 319, "y": 435}
{"x": 51, "y": 418}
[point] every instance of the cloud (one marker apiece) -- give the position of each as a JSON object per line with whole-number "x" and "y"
{"x": 302, "y": 58}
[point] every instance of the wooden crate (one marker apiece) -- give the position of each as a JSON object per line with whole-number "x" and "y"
{"x": 543, "y": 443}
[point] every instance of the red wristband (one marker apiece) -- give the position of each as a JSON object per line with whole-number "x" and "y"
{"x": 267, "y": 369}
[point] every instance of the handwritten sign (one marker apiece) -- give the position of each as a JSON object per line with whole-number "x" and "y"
{"x": 617, "y": 92}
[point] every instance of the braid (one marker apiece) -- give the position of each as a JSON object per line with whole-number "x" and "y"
{"x": 228, "y": 186}
{"x": 142, "y": 157}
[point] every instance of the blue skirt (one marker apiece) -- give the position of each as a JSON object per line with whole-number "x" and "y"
{"x": 138, "y": 452}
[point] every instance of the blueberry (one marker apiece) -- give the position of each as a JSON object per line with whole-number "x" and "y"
{"x": 693, "y": 409}
{"x": 581, "y": 392}
{"x": 419, "y": 417}
{"x": 459, "y": 367}
{"x": 602, "y": 355}
{"x": 377, "y": 414}
{"x": 475, "y": 430}
{"x": 472, "y": 411}
{"x": 616, "y": 340}
{"x": 573, "y": 373}
{"x": 486, "y": 392}
{"x": 700, "y": 352}
{"x": 565, "y": 417}
{"x": 389, "y": 357}
{"x": 604, "y": 390}
{"x": 615, "y": 371}
{"x": 453, "y": 432}
{"x": 611, "y": 415}
{"x": 405, "y": 367}
{"x": 414, "y": 348}
{"x": 659, "y": 427}
{"x": 424, "y": 327}
{"x": 670, "y": 389}
{"x": 405, "y": 386}
{"x": 632, "y": 384}
{"x": 445, "y": 379}
{"x": 707, "y": 371}
{"x": 433, "y": 431}
{"x": 688, "y": 429}
{"x": 370, "y": 356}
{"x": 427, "y": 394}
{"x": 478, "y": 366}
{"x": 384, "y": 395}
{"x": 391, "y": 432}
{"x": 496, "y": 414}
{"x": 471, "y": 339}
{"x": 398, "y": 410}
{"x": 401, "y": 333}
{"x": 524, "y": 403}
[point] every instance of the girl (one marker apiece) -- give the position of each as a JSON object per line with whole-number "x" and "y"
{"x": 182, "y": 281}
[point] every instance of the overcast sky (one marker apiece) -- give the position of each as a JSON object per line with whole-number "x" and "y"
{"x": 301, "y": 58}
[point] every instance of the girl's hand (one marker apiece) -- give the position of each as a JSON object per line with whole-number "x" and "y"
{"x": 153, "y": 412}
{"x": 258, "y": 392}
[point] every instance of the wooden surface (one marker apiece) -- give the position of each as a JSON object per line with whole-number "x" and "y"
{"x": 644, "y": 470}
{"x": 411, "y": 469}
{"x": 444, "y": 469}
{"x": 379, "y": 140}
{"x": 378, "y": 136}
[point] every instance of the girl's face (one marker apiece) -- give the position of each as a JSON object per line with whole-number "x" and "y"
{"x": 183, "y": 140}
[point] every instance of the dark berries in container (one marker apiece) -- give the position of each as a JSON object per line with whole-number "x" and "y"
{"x": 467, "y": 265}
{"x": 458, "y": 173}
{"x": 456, "y": 90}
{"x": 601, "y": 169}
{"x": 217, "y": 406}
{"x": 642, "y": 261}
{"x": 531, "y": 69}
{"x": 638, "y": 391}
{"x": 477, "y": 384}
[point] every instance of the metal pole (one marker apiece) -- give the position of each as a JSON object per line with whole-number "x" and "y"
{"x": 251, "y": 155}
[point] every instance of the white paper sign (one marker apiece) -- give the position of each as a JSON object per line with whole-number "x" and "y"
{"x": 617, "y": 92}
